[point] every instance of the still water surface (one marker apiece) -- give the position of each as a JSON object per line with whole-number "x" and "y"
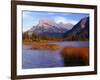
{"x": 45, "y": 58}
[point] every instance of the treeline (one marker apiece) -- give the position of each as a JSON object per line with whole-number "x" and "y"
{"x": 71, "y": 37}
{"x": 82, "y": 36}
{"x": 34, "y": 37}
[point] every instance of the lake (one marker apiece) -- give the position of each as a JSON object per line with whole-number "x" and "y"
{"x": 46, "y": 58}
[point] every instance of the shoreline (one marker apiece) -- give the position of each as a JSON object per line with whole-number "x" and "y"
{"x": 48, "y": 41}
{"x": 52, "y": 45}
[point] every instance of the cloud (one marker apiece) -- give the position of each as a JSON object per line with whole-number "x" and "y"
{"x": 59, "y": 19}
{"x": 28, "y": 20}
{"x": 51, "y": 13}
{"x": 64, "y": 20}
{"x": 66, "y": 14}
{"x": 26, "y": 14}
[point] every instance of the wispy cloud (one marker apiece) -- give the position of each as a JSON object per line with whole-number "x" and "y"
{"x": 64, "y": 20}
{"x": 60, "y": 19}
{"x": 26, "y": 14}
{"x": 51, "y": 13}
{"x": 28, "y": 20}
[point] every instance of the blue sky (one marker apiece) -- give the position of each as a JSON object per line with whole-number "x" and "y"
{"x": 31, "y": 18}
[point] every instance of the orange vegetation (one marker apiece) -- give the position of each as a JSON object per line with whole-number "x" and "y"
{"x": 46, "y": 47}
{"x": 75, "y": 56}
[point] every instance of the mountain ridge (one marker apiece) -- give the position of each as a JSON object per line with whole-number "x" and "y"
{"x": 80, "y": 30}
{"x": 47, "y": 29}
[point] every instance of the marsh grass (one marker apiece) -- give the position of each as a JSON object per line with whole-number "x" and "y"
{"x": 46, "y": 47}
{"x": 75, "y": 56}
{"x": 42, "y": 45}
{"x": 35, "y": 42}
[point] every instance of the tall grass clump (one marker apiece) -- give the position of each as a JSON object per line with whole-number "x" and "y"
{"x": 75, "y": 56}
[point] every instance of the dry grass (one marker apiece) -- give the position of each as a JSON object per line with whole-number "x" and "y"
{"x": 46, "y": 47}
{"x": 34, "y": 42}
{"x": 75, "y": 56}
{"x": 42, "y": 45}
{"x": 26, "y": 42}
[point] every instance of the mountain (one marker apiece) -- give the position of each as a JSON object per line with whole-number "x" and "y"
{"x": 49, "y": 28}
{"x": 79, "y": 32}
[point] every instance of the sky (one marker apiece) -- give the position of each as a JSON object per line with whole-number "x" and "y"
{"x": 31, "y": 18}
